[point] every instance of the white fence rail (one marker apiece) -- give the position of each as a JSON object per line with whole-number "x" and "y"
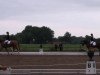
{"x": 44, "y": 71}
{"x": 47, "y": 53}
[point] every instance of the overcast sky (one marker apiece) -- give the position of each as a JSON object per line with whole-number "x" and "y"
{"x": 79, "y": 17}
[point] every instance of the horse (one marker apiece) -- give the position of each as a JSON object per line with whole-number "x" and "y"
{"x": 91, "y": 48}
{"x": 14, "y": 45}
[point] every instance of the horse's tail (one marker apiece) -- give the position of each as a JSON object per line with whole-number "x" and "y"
{"x": 17, "y": 46}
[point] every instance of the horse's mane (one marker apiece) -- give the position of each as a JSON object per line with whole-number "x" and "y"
{"x": 86, "y": 41}
{"x": 1, "y": 40}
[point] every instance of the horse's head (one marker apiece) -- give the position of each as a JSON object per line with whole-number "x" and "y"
{"x": 1, "y": 40}
{"x": 84, "y": 42}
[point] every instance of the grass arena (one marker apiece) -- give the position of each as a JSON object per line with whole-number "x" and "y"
{"x": 47, "y": 63}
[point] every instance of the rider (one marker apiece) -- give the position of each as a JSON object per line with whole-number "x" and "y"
{"x": 7, "y": 40}
{"x": 92, "y": 42}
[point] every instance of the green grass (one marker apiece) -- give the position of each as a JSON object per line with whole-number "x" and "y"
{"x": 49, "y": 47}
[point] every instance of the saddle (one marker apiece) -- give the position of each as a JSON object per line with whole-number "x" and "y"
{"x": 7, "y": 42}
{"x": 93, "y": 44}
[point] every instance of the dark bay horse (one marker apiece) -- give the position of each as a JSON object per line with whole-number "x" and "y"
{"x": 14, "y": 45}
{"x": 91, "y": 49}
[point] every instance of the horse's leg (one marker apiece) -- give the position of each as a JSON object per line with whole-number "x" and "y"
{"x": 11, "y": 50}
{"x": 99, "y": 52}
{"x": 1, "y": 49}
{"x": 90, "y": 54}
{"x": 7, "y": 50}
{"x": 17, "y": 49}
{"x": 16, "y": 46}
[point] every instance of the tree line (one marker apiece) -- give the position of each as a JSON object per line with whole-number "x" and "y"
{"x": 43, "y": 35}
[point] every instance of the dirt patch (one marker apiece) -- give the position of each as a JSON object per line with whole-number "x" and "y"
{"x": 47, "y": 61}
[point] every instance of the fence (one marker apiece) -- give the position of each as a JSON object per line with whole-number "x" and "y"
{"x": 10, "y": 71}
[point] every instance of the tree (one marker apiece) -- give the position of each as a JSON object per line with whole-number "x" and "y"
{"x": 61, "y": 38}
{"x": 27, "y": 34}
{"x": 39, "y": 34}
{"x": 45, "y": 35}
{"x": 76, "y": 40}
{"x": 67, "y": 37}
